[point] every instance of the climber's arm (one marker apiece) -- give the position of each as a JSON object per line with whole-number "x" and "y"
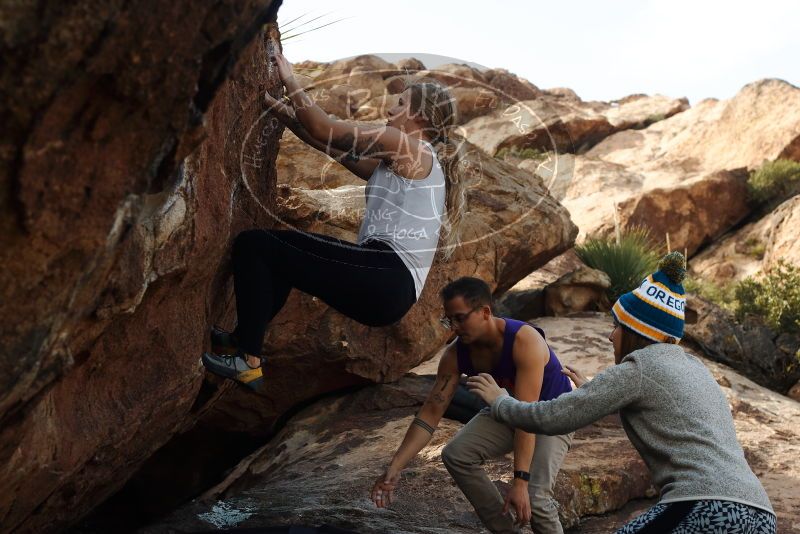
{"x": 377, "y": 141}
{"x": 361, "y": 167}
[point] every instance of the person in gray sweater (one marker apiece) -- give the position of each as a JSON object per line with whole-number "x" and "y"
{"x": 672, "y": 410}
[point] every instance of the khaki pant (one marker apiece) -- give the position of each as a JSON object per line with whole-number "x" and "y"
{"x": 484, "y": 438}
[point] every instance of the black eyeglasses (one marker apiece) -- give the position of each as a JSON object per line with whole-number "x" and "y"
{"x": 458, "y": 318}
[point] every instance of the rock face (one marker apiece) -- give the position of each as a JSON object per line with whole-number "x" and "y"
{"x": 756, "y": 125}
{"x": 754, "y": 247}
{"x": 116, "y": 259}
{"x": 548, "y": 122}
{"x": 693, "y": 214}
{"x": 526, "y": 297}
{"x": 750, "y": 347}
{"x": 640, "y": 111}
{"x": 538, "y": 124}
{"x": 67, "y": 163}
{"x": 752, "y": 127}
{"x": 321, "y": 466}
{"x": 300, "y": 166}
{"x": 110, "y": 245}
{"x": 317, "y": 471}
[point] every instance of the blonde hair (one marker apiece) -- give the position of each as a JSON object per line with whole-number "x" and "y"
{"x": 434, "y": 102}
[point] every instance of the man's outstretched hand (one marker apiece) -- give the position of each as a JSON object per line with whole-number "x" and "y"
{"x": 383, "y": 490}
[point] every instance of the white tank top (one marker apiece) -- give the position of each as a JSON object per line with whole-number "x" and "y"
{"x": 407, "y": 215}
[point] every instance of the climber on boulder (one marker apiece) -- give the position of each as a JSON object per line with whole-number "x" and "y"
{"x": 518, "y": 356}
{"x": 414, "y": 196}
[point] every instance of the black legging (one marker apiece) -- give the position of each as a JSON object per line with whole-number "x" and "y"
{"x": 368, "y": 283}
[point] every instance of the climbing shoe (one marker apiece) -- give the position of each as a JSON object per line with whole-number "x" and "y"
{"x": 235, "y": 367}
{"x": 223, "y": 342}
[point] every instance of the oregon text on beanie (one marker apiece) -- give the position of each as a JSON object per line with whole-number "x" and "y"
{"x": 655, "y": 309}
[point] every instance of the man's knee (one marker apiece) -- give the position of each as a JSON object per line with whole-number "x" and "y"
{"x": 448, "y": 455}
{"x": 453, "y": 455}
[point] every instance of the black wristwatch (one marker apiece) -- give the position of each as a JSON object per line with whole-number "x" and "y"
{"x": 524, "y": 475}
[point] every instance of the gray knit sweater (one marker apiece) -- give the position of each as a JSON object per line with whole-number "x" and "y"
{"x": 673, "y": 412}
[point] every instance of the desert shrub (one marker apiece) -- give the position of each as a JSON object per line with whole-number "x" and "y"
{"x": 521, "y": 153}
{"x": 723, "y": 295}
{"x": 755, "y": 248}
{"x": 626, "y": 262}
{"x": 774, "y": 296}
{"x": 774, "y": 181}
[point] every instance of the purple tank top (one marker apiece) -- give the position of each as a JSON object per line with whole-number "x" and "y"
{"x": 554, "y": 382}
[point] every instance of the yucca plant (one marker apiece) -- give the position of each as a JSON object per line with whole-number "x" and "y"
{"x": 291, "y": 29}
{"x": 626, "y": 259}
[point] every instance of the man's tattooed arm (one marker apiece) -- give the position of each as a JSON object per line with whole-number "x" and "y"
{"x": 439, "y": 394}
{"x": 446, "y": 384}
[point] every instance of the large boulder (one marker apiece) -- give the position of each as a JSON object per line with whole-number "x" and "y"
{"x": 511, "y": 86}
{"x": 556, "y": 170}
{"x": 754, "y": 126}
{"x": 368, "y": 82}
{"x": 691, "y": 214}
{"x": 753, "y": 248}
{"x": 410, "y": 65}
{"x": 375, "y": 109}
{"x": 538, "y": 124}
{"x": 338, "y": 72}
{"x": 525, "y": 117}
{"x": 581, "y": 290}
{"x": 116, "y": 260}
{"x": 750, "y": 347}
{"x": 473, "y": 102}
{"x": 563, "y": 93}
{"x": 758, "y": 124}
{"x": 592, "y": 189}
{"x": 346, "y": 456}
{"x": 111, "y": 239}
{"x": 454, "y": 75}
{"x": 640, "y": 111}
{"x": 340, "y": 100}
{"x": 525, "y": 300}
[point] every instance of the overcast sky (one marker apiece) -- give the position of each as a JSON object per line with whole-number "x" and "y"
{"x": 602, "y": 49}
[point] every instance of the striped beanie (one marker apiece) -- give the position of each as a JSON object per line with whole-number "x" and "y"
{"x": 655, "y": 309}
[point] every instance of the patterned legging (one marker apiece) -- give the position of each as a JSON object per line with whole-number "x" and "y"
{"x": 702, "y": 517}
